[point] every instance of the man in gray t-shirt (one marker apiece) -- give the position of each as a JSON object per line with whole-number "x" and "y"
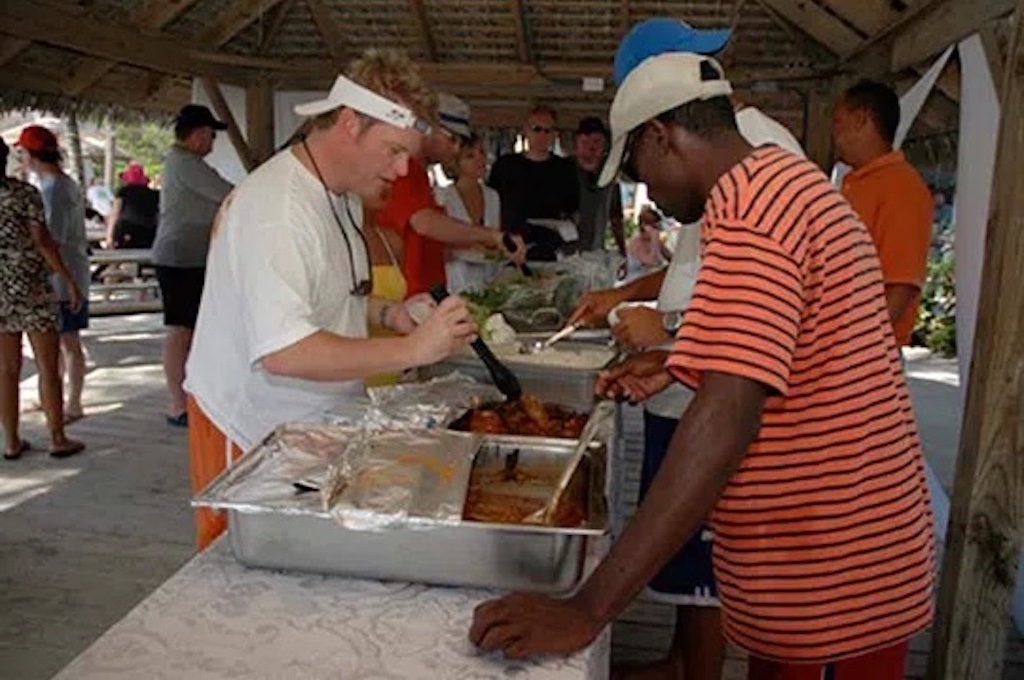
{"x": 599, "y": 206}
{"x": 191, "y": 195}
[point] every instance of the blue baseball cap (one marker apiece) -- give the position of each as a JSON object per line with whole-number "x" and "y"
{"x": 662, "y": 34}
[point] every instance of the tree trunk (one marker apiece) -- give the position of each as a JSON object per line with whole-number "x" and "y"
{"x": 75, "y": 161}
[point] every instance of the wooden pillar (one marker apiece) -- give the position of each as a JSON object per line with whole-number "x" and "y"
{"x": 259, "y": 115}
{"x": 984, "y": 538}
{"x": 74, "y": 142}
{"x": 223, "y": 111}
{"x": 109, "y": 158}
{"x": 818, "y": 128}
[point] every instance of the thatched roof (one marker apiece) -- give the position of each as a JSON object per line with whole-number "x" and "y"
{"x": 141, "y": 55}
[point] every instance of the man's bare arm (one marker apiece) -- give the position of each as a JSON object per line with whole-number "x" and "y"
{"x": 440, "y": 227}
{"x": 708, "y": 445}
{"x": 324, "y": 356}
{"x": 898, "y": 297}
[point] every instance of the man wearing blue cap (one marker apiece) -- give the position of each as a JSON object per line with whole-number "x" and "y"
{"x": 663, "y": 34}
{"x": 687, "y": 582}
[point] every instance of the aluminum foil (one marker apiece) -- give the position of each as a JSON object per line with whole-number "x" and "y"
{"x": 426, "y": 405}
{"x": 264, "y": 480}
{"x": 390, "y": 480}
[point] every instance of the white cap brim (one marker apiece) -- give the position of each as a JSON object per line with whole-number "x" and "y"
{"x": 611, "y": 164}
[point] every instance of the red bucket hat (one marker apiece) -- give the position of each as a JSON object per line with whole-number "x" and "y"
{"x": 134, "y": 174}
{"x": 36, "y": 139}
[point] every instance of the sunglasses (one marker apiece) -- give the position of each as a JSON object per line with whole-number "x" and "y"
{"x": 540, "y": 129}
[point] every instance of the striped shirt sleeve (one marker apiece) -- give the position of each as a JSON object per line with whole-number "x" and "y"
{"x": 744, "y": 316}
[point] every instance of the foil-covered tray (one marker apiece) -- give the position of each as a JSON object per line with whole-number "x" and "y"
{"x": 295, "y": 530}
{"x": 432, "y": 403}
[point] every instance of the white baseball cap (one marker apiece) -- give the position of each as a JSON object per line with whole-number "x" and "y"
{"x": 351, "y": 94}
{"x": 659, "y": 84}
{"x": 453, "y": 114}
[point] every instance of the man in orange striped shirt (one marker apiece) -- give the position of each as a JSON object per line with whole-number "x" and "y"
{"x": 800, "y": 441}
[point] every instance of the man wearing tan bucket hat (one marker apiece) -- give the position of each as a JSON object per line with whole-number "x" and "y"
{"x": 800, "y": 441}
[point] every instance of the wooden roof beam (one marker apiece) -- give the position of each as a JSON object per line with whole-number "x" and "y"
{"x": 86, "y": 72}
{"x": 11, "y": 47}
{"x": 948, "y": 22}
{"x": 277, "y": 18}
{"x": 112, "y": 41}
{"x": 233, "y": 19}
{"x": 158, "y": 13}
{"x": 419, "y": 13}
{"x": 524, "y": 45}
{"x": 825, "y": 28}
{"x": 328, "y": 29}
{"x": 153, "y": 15}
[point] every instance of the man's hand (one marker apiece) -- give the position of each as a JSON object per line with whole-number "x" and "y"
{"x": 517, "y": 255}
{"x": 77, "y": 299}
{"x": 449, "y": 328}
{"x": 640, "y": 328}
{"x": 593, "y": 308}
{"x": 404, "y": 318}
{"x": 636, "y": 379}
{"x": 523, "y": 625}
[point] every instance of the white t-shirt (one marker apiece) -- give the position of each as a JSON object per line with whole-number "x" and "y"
{"x": 278, "y": 271}
{"x": 451, "y": 201}
{"x": 758, "y": 129}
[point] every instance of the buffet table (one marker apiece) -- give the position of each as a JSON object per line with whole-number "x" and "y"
{"x": 218, "y": 619}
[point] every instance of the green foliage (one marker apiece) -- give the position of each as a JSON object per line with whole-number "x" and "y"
{"x": 936, "y": 317}
{"x": 146, "y": 143}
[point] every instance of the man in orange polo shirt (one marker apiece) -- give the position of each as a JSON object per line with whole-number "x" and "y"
{"x": 414, "y": 213}
{"x": 887, "y": 193}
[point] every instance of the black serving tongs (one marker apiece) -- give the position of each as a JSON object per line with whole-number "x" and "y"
{"x": 510, "y": 245}
{"x": 503, "y": 378}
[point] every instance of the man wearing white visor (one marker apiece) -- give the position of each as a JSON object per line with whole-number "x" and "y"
{"x": 799, "y": 442}
{"x": 282, "y": 329}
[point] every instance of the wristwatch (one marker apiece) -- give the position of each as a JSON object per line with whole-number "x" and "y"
{"x": 671, "y": 321}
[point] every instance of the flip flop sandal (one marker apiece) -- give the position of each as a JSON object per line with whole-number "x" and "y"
{"x": 180, "y": 420}
{"x": 71, "y": 449}
{"x": 22, "y": 448}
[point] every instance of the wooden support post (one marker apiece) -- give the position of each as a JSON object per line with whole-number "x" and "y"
{"x": 109, "y": 158}
{"x": 223, "y": 111}
{"x": 818, "y": 127}
{"x": 984, "y": 539}
{"x": 259, "y": 116}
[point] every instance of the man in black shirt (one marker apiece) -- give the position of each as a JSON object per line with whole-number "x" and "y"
{"x": 536, "y": 184}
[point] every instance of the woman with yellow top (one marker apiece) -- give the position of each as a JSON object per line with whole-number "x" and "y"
{"x": 388, "y": 282}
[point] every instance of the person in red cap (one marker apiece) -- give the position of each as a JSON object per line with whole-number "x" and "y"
{"x": 27, "y": 255}
{"x": 65, "y": 219}
{"x": 133, "y": 216}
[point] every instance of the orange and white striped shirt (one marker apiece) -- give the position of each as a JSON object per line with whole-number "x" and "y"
{"x": 824, "y": 543}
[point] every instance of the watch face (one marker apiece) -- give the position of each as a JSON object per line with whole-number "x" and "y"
{"x": 672, "y": 321}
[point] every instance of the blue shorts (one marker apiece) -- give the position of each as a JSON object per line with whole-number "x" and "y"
{"x": 687, "y": 578}
{"x": 69, "y": 321}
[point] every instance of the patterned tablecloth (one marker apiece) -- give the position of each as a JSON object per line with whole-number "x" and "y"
{"x": 218, "y": 619}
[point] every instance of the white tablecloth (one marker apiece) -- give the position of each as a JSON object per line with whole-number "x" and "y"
{"x": 218, "y": 619}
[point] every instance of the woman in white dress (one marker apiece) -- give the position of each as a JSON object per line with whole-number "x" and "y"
{"x": 471, "y": 201}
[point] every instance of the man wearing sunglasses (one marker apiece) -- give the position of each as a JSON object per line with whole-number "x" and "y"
{"x": 283, "y": 324}
{"x": 536, "y": 184}
{"x": 799, "y": 442}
